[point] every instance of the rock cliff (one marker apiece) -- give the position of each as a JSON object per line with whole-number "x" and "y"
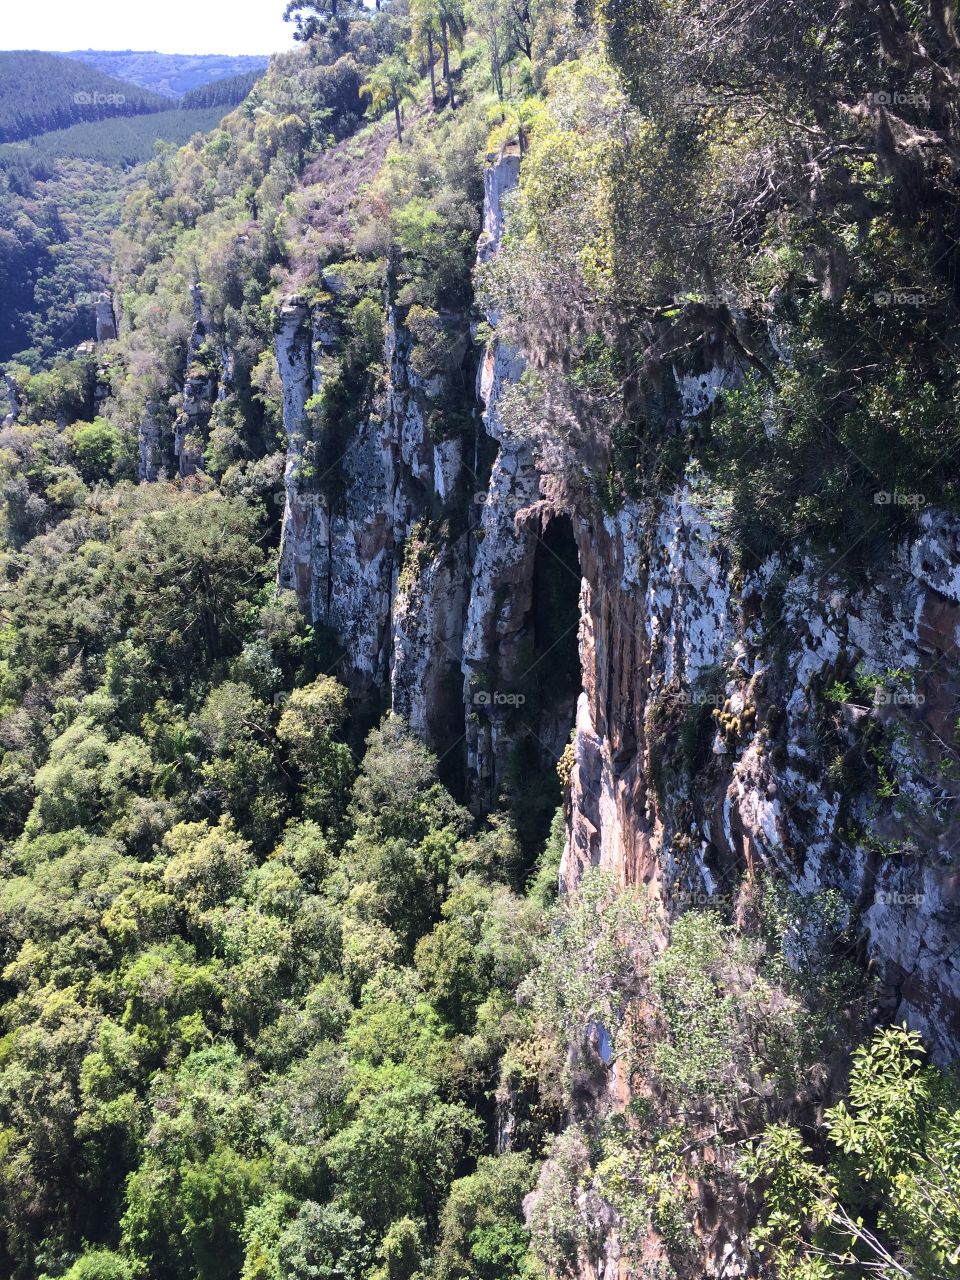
{"x": 725, "y": 714}
{"x": 423, "y": 561}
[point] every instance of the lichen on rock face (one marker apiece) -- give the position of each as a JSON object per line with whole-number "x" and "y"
{"x": 768, "y": 801}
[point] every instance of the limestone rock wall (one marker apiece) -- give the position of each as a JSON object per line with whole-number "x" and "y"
{"x": 671, "y": 633}
{"x": 706, "y": 745}
{"x": 421, "y": 562}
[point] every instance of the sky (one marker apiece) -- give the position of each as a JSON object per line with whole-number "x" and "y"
{"x": 168, "y": 26}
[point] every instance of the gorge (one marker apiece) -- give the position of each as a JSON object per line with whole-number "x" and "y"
{"x": 481, "y": 787}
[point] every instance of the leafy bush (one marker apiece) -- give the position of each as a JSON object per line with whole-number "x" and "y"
{"x": 885, "y": 1202}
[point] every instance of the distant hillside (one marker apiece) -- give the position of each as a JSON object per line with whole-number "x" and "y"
{"x": 60, "y": 197}
{"x": 170, "y": 74}
{"x": 43, "y": 91}
{"x": 120, "y": 142}
{"x": 221, "y": 93}
{"x": 56, "y": 224}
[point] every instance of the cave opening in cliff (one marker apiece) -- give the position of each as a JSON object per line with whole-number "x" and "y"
{"x": 549, "y": 682}
{"x": 556, "y": 612}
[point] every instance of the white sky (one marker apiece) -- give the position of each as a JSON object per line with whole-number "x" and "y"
{"x": 168, "y": 26}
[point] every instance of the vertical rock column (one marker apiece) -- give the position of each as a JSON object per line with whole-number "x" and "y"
{"x": 337, "y": 543}
{"x": 501, "y": 593}
{"x": 13, "y": 400}
{"x": 305, "y": 539}
{"x": 199, "y": 383}
{"x": 431, "y": 584}
{"x": 105, "y": 319}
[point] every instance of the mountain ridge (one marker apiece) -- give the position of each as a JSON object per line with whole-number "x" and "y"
{"x": 169, "y": 74}
{"x": 42, "y": 91}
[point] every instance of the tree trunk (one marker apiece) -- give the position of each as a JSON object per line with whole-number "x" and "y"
{"x": 433, "y": 73}
{"x": 496, "y": 70}
{"x": 445, "y": 46}
{"x": 396, "y": 116}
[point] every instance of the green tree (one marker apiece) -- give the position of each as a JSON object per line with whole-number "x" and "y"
{"x": 96, "y": 446}
{"x": 185, "y": 573}
{"x": 206, "y": 865}
{"x": 887, "y": 1202}
{"x": 243, "y": 774}
{"x": 400, "y": 1152}
{"x": 308, "y": 16}
{"x": 425, "y": 31}
{"x": 482, "y": 1232}
{"x": 453, "y": 27}
{"x": 322, "y": 1241}
{"x": 389, "y": 83}
{"x": 186, "y": 1218}
{"x": 312, "y": 718}
{"x": 100, "y": 1264}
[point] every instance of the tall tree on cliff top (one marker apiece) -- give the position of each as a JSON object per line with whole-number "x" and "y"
{"x": 390, "y": 82}
{"x": 309, "y": 15}
{"x": 426, "y": 30}
{"x": 453, "y": 25}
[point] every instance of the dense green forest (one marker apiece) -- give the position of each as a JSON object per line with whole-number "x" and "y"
{"x": 126, "y": 141}
{"x": 61, "y": 190}
{"x": 221, "y": 93}
{"x": 41, "y": 91}
{"x": 55, "y": 236}
{"x": 276, "y": 1004}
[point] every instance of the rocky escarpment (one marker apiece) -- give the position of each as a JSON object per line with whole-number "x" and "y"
{"x": 12, "y": 398}
{"x": 504, "y": 562}
{"x": 345, "y": 529}
{"x": 104, "y": 318}
{"x": 175, "y": 436}
{"x": 419, "y": 558}
{"x": 797, "y": 716}
{"x": 676, "y": 645}
{"x": 797, "y": 720}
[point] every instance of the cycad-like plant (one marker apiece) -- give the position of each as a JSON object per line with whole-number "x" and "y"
{"x": 425, "y": 16}
{"x": 388, "y": 84}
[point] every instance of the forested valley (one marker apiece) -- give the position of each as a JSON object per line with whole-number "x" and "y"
{"x": 479, "y": 687}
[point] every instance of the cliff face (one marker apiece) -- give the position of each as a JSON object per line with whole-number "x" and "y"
{"x": 424, "y": 566}
{"x": 670, "y": 635}
{"x": 175, "y": 439}
{"x": 342, "y": 551}
{"x": 584, "y": 472}
{"x": 725, "y": 713}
